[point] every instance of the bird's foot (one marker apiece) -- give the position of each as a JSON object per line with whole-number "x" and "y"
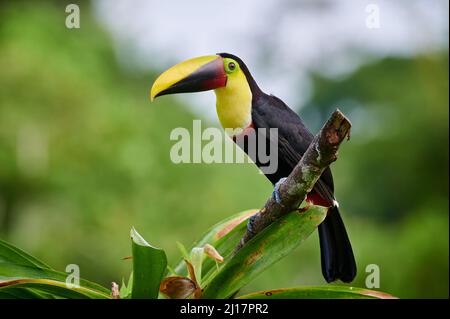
{"x": 276, "y": 193}
{"x": 250, "y": 224}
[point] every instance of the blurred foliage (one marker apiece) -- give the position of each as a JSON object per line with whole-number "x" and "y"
{"x": 82, "y": 149}
{"x": 399, "y": 146}
{"x": 84, "y": 156}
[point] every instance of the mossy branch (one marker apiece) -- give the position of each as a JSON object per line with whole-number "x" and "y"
{"x": 320, "y": 154}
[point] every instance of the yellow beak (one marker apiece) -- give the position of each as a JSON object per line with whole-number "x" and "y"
{"x": 194, "y": 75}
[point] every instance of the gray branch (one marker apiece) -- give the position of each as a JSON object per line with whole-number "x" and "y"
{"x": 320, "y": 154}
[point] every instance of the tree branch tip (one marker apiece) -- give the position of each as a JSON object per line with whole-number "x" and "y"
{"x": 341, "y": 123}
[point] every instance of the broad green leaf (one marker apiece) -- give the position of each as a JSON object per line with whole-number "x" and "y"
{"x": 269, "y": 246}
{"x": 23, "y": 276}
{"x": 219, "y": 230}
{"x": 149, "y": 266}
{"x": 23, "y": 293}
{"x": 319, "y": 292}
{"x": 46, "y": 280}
{"x": 12, "y": 254}
{"x": 55, "y": 288}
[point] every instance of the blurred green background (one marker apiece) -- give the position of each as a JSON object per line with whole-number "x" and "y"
{"x": 84, "y": 156}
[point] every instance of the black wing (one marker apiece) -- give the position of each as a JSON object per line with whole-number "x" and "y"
{"x": 293, "y": 140}
{"x": 337, "y": 257}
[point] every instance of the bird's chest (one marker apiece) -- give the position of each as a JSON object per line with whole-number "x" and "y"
{"x": 234, "y": 106}
{"x": 234, "y": 113}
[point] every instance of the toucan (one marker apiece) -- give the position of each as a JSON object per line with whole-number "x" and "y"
{"x": 242, "y": 105}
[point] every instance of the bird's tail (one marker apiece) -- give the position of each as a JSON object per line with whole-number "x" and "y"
{"x": 336, "y": 251}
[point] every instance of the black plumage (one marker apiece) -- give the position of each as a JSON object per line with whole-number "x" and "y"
{"x": 294, "y": 138}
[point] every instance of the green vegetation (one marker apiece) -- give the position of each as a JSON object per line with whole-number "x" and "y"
{"x": 23, "y": 276}
{"x": 84, "y": 157}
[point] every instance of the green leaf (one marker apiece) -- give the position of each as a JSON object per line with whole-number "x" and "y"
{"x": 12, "y": 254}
{"x": 48, "y": 281}
{"x": 224, "y": 227}
{"x": 197, "y": 256}
{"x": 125, "y": 290}
{"x": 24, "y": 293}
{"x": 223, "y": 236}
{"x": 183, "y": 250}
{"x": 24, "y": 276}
{"x": 55, "y": 288}
{"x": 269, "y": 246}
{"x": 149, "y": 266}
{"x": 324, "y": 292}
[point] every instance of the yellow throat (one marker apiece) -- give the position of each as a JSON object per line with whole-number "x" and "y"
{"x": 234, "y": 102}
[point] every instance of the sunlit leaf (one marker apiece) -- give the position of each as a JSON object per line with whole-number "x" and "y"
{"x": 319, "y": 292}
{"x": 269, "y": 246}
{"x": 197, "y": 256}
{"x": 125, "y": 290}
{"x": 47, "y": 280}
{"x": 12, "y": 254}
{"x": 56, "y": 288}
{"x": 149, "y": 266}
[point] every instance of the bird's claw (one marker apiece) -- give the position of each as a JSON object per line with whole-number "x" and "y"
{"x": 276, "y": 193}
{"x": 250, "y": 223}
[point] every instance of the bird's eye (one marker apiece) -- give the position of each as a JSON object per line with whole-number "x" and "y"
{"x": 230, "y": 66}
